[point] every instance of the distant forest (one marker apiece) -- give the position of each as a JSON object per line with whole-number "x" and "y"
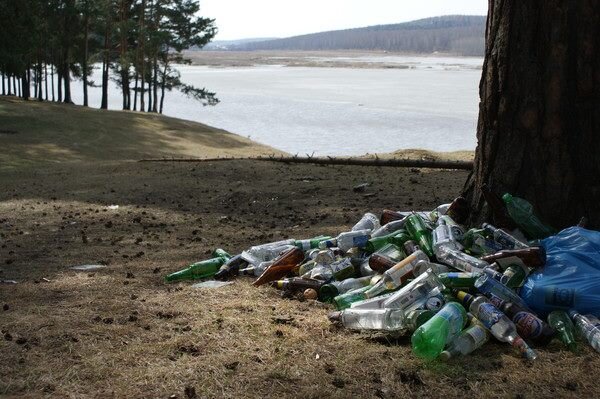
{"x": 456, "y": 34}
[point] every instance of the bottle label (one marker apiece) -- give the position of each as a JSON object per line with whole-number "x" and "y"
{"x": 560, "y": 297}
{"x": 478, "y": 334}
{"x": 360, "y": 241}
{"x": 528, "y": 326}
{"x": 489, "y": 315}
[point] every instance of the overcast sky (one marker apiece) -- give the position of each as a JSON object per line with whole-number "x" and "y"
{"x": 240, "y": 19}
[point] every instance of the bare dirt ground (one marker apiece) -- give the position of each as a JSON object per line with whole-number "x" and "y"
{"x": 122, "y": 332}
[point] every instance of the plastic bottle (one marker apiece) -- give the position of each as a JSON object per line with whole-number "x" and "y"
{"x": 347, "y": 240}
{"x": 371, "y": 319}
{"x": 389, "y": 228}
{"x": 429, "y": 340}
{"x": 367, "y": 222}
{"x": 266, "y": 252}
{"x": 199, "y": 270}
{"x": 587, "y": 329}
{"x": 522, "y": 213}
{"x": 506, "y": 240}
{"x": 488, "y": 287}
{"x": 397, "y": 275}
{"x": 469, "y": 340}
{"x": 443, "y": 236}
{"x": 422, "y": 266}
{"x": 529, "y": 326}
{"x": 460, "y": 260}
{"x": 416, "y": 293}
{"x": 501, "y": 327}
{"x": 283, "y": 265}
{"x": 477, "y": 242}
{"x": 560, "y": 321}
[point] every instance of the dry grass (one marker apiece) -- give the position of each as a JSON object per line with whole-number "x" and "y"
{"x": 34, "y": 133}
{"x": 104, "y": 334}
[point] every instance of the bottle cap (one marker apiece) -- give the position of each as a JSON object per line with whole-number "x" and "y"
{"x": 445, "y": 356}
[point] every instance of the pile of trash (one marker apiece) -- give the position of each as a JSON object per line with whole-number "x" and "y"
{"x": 422, "y": 273}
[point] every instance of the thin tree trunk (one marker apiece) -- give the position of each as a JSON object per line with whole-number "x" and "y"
{"x": 40, "y": 79}
{"x": 25, "y": 85}
{"x": 162, "y": 88}
{"x": 538, "y": 120}
{"x": 52, "y": 82}
{"x": 8, "y": 85}
{"x": 60, "y": 78}
{"x": 84, "y": 63}
{"x": 135, "y": 91}
{"x": 3, "y": 85}
{"x": 150, "y": 94}
{"x": 155, "y": 83}
{"x": 105, "y": 67}
{"x": 46, "y": 79}
{"x": 18, "y": 82}
{"x": 141, "y": 59}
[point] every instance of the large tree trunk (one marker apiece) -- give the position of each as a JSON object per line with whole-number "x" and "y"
{"x": 84, "y": 61}
{"x": 539, "y": 113}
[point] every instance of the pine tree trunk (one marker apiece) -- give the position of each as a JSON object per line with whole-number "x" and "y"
{"x": 539, "y": 113}
{"x": 155, "y": 83}
{"x": 105, "y": 67}
{"x": 150, "y": 94}
{"x": 162, "y": 88}
{"x": 46, "y": 79}
{"x": 3, "y": 85}
{"x": 52, "y": 81}
{"x": 84, "y": 61}
{"x": 8, "y": 85}
{"x": 135, "y": 91}
{"x": 141, "y": 59}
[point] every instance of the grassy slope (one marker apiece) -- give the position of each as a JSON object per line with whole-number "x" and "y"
{"x": 32, "y": 133}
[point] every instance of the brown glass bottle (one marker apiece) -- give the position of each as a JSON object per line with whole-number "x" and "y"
{"x": 283, "y": 265}
{"x": 499, "y": 212}
{"x": 297, "y": 283}
{"x": 389, "y": 216}
{"x": 532, "y": 256}
{"x": 380, "y": 263}
{"x": 459, "y": 210}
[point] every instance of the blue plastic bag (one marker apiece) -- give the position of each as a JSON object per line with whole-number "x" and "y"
{"x": 571, "y": 277}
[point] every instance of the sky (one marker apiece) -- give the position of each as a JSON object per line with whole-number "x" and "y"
{"x": 242, "y": 19}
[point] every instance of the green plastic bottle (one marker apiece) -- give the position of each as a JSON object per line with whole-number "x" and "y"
{"x": 418, "y": 230}
{"x": 204, "y": 269}
{"x": 429, "y": 340}
{"x": 522, "y": 213}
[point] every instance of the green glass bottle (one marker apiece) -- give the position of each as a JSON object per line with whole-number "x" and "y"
{"x": 377, "y": 243}
{"x": 204, "y": 269}
{"x": 400, "y": 238}
{"x": 429, "y": 340}
{"x": 560, "y": 321}
{"x": 311, "y": 243}
{"x": 418, "y": 230}
{"x": 459, "y": 279}
{"x": 522, "y": 213}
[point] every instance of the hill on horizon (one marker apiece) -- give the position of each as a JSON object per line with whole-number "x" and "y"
{"x": 456, "y": 34}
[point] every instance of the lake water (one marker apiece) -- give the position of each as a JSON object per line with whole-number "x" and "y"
{"x": 433, "y": 105}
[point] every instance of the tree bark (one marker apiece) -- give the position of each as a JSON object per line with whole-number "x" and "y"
{"x": 84, "y": 61}
{"x": 3, "y": 85}
{"x": 135, "y": 91}
{"x": 141, "y": 59}
{"x": 162, "y": 88}
{"x": 539, "y": 112}
{"x": 105, "y": 66}
{"x": 46, "y": 79}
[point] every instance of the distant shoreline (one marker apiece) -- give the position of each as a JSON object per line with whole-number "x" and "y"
{"x": 318, "y": 59}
